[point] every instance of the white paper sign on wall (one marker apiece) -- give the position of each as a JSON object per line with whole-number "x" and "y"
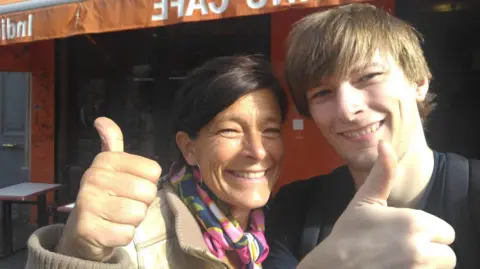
{"x": 297, "y": 124}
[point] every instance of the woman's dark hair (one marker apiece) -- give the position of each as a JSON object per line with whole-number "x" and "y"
{"x": 214, "y": 86}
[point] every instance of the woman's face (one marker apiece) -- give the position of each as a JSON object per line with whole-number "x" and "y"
{"x": 239, "y": 152}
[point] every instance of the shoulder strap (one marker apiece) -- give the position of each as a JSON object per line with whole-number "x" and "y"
{"x": 465, "y": 180}
{"x": 474, "y": 195}
{"x": 458, "y": 210}
{"x": 456, "y": 186}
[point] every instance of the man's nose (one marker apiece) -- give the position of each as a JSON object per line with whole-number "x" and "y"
{"x": 351, "y": 102}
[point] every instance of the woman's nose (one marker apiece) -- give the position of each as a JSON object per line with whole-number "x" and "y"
{"x": 254, "y": 147}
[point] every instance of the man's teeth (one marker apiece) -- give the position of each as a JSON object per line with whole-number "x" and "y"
{"x": 250, "y": 175}
{"x": 371, "y": 129}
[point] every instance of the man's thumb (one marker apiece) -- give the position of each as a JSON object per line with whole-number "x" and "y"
{"x": 110, "y": 134}
{"x": 379, "y": 183}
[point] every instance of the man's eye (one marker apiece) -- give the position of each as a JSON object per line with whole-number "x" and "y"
{"x": 322, "y": 93}
{"x": 369, "y": 76}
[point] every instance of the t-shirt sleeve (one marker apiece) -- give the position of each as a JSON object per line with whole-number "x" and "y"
{"x": 284, "y": 225}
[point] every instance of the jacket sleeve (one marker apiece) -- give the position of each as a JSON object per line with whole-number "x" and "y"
{"x": 41, "y": 256}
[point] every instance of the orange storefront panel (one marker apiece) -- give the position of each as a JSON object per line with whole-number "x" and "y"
{"x": 31, "y": 20}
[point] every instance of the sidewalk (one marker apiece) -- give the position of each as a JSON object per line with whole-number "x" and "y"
{"x": 16, "y": 261}
{"x": 22, "y": 232}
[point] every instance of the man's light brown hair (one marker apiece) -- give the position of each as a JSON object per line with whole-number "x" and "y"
{"x": 332, "y": 43}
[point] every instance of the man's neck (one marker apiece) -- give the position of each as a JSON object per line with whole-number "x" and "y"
{"x": 415, "y": 170}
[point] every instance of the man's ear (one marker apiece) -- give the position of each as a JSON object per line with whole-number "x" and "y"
{"x": 422, "y": 88}
{"x": 187, "y": 147}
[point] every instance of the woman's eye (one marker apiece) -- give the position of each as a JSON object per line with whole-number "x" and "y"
{"x": 273, "y": 132}
{"x": 229, "y": 132}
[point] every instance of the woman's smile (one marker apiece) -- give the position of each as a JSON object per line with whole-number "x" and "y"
{"x": 251, "y": 176}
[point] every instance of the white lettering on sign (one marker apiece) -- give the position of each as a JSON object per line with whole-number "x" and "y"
{"x": 256, "y": 4}
{"x": 218, "y": 10}
{"x": 161, "y": 7}
{"x": 278, "y": 2}
{"x": 11, "y": 29}
{"x": 192, "y": 5}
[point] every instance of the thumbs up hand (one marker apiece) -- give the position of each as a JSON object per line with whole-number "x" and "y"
{"x": 379, "y": 183}
{"x": 369, "y": 234}
{"x": 114, "y": 196}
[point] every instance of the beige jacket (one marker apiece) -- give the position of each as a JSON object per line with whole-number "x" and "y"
{"x": 168, "y": 238}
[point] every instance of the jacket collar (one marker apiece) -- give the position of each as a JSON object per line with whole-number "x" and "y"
{"x": 189, "y": 233}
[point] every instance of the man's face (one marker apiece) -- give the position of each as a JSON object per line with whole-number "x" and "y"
{"x": 374, "y": 103}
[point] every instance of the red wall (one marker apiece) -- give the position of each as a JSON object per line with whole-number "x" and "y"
{"x": 306, "y": 152}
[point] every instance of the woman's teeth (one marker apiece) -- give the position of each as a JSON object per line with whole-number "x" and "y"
{"x": 249, "y": 175}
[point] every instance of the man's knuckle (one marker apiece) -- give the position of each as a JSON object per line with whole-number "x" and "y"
{"x": 409, "y": 221}
{"x": 412, "y": 250}
{"x": 106, "y": 158}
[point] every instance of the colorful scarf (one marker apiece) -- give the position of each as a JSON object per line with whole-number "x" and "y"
{"x": 221, "y": 231}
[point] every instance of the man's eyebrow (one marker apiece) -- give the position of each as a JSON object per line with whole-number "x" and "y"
{"x": 354, "y": 71}
{"x": 361, "y": 68}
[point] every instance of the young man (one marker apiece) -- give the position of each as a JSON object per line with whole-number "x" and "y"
{"x": 360, "y": 74}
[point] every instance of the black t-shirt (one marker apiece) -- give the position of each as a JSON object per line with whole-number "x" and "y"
{"x": 287, "y": 216}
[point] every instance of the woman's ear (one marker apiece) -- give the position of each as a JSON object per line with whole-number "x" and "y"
{"x": 422, "y": 89}
{"x": 187, "y": 147}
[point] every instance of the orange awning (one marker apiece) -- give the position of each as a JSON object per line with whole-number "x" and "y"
{"x": 32, "y": 20}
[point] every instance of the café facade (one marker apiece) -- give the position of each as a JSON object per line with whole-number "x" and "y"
{"x": 65, "y": 62}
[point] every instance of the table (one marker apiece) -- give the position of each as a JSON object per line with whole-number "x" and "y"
{"x": 22, "y": 194}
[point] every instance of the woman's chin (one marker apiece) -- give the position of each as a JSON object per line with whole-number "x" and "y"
{"x": 249, "y": 202}
{"x": 243, "y": 195}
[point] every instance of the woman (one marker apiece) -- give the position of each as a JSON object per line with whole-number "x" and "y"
{"x": 208, "y": 212}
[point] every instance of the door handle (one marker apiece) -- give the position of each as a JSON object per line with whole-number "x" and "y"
{"x": 12, "y": 146}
